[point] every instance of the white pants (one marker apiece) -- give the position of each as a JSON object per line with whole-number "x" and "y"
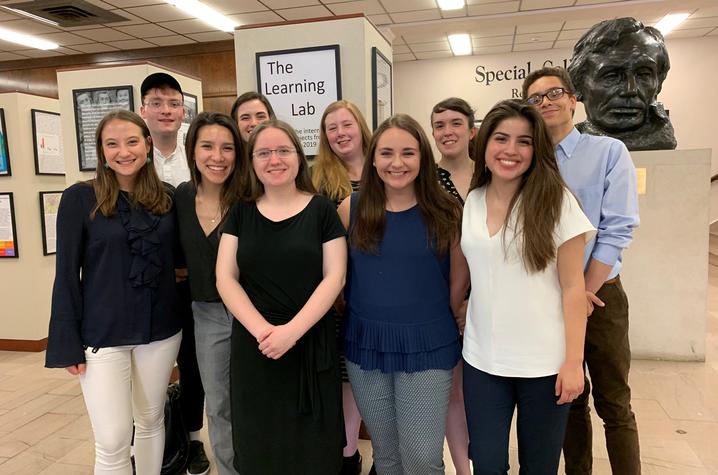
{"x": 122, "y": 383}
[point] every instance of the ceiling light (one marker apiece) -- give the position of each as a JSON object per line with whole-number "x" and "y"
{"x": 26, "y": 40}
{"x": 206, "y": 14}
{"x": 451, "y": 4}
{"x": 670, "y": 21}
{"x": 460, "y": 44}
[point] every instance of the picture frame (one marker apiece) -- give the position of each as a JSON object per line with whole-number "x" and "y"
{"x": 300, "y": 83}
{"x": 49, "y": 204}
{"x": 382, "y": 87}
{"x": 190, "y": 112}
{"x": 90, "y": 106}
{"x": 4, "y": 148}
{"x": 8, "y": 227}
{"x": 47, "y": 142}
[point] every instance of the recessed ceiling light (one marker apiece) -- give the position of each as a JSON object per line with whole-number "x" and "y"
{"x": 26, "y": 40}
{"x": 460, "y": 44}
{"x": 451, "y": 4}
{"x": 206, "y": 14}
{"x": 670, "y": 21}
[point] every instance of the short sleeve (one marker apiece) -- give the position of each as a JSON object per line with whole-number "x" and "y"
{"x": 332, "y": 227}
{"x": 231, "y": 226}
{"x": 573, "y": 221}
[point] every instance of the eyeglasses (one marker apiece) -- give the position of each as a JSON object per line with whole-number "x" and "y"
{"x": 553, "y": 94}
{"x": 157, "y": 104}
{"x": 266, "y": 153}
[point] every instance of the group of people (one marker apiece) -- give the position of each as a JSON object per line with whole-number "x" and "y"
{"x": 429, "y": 299}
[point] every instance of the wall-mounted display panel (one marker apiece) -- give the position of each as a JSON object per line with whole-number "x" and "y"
{"x": 381, "y": 87}
{"x": 300, "y": 84}
{"x": 90, "y": 106}
{"x": 4, "y": 150}
{"x": 8, "y": 227}
{"x": 49, "y": 204}
{"x": 47, "y": 143}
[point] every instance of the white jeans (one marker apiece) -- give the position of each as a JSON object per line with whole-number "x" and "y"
{"x": 122, "y": 383}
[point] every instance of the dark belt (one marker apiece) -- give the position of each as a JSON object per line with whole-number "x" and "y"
{"x": 612, "y": 281}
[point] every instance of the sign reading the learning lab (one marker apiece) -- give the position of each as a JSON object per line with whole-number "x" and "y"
{"x": 300, "y": 84}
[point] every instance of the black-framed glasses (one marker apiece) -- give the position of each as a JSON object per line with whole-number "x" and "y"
{"x": 265, "y": 153}
{"x": 553, "y": 94}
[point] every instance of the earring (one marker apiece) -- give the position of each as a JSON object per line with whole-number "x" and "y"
{"x": 149, "y": 159}
{"x": 106, "y": 165}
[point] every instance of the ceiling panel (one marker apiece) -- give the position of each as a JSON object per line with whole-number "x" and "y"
{"x": 170, "y": 40}
{"x": 157, "y": 13}
{"x": 147, "y": 30}
{"x": 380, "y": 19}
{"x": 229, "y": 7}
{"x": 419, "y": 15}
{"x": 256, "y": 18}
{"x": 493, "y": 41}
{"x": 211, "y": 36}
{"x": 533, "y": 46}
{"x": 276, "y": 4}
{"x": 104, "y": 34}
{"x": 493, "y": 8}
{"x": 303, "y": 13}
{"x": 433, "y": 46}
{"x": 367, "y": 7}
{"x": 539, "y": 27}
{"x": 94, "y": 48}
{"x": 408, "y": 5}
{"x": 404, "y": 57}
{"x": 493, "y": 49}
{"x": 434, "y": 54}
{"x": 544, "y": 4}
{"x": 536, "y": 37}
{"x": 187, "y": 26}
{"x": 130, "y": 44}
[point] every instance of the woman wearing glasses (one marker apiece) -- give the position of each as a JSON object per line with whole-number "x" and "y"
{"x": 280, "y": 266}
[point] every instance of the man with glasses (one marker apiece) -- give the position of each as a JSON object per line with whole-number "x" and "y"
{"x": 601, "y": 174}
{"x": 163, "y": 110}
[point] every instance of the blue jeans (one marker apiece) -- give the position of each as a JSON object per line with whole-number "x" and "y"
{"x": 490, "y": 401}
{"x": 213, "y": 331}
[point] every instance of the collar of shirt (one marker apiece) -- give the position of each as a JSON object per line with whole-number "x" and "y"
{"x": 565, "y": 148}
{"x": 171, "y": 156}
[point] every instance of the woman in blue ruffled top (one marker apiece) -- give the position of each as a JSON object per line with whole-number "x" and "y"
{"x": 401, "y": 339}
{"x": 114, "y": 313}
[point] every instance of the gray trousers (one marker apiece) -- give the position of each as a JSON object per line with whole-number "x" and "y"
{"x": 405, "y": 414}
{"x": 213, "y": 331}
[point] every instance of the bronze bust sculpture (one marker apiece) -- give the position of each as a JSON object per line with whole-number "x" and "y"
{"x": 618, "y": 68}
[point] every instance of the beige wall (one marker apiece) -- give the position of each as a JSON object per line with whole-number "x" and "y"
{"x": 27, "y": 281}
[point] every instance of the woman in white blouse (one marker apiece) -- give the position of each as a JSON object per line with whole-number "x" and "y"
{"x": 523, "y": 235}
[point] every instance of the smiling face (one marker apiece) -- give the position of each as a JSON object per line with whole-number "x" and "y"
{"x": 123, "y": 98}
{"x": 621, "y": 83}
{"x": 509, "y": 150}
{"x": 397, "y": 159}
{"x": 249, "y": 115}
{"x": 163, "y": 111}
{"x": 452, "y": 133}
{"x": 125, "y": 151}
{"x": 281, "y": 165}
{"x": 557, "y": 114}
{"x": 343, "y": 134}
{"x": 214, "y": 154}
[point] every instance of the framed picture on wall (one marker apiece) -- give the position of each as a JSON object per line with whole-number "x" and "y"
{"x": 190, "y": 112}
{"x": 8, "y": 228}
{"x": 381, "y": 87}
{"x": 300, "y": 84}
{"x": 47, "y": 143}
{"x": 90, "y": 106}
{"x": 49, "y": 203}
{"x": 4, "y": 150}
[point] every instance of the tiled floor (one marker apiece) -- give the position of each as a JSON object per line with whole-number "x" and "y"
{"x": 44, "y": 428}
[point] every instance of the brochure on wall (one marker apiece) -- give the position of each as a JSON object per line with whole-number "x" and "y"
{"x": 8, "y": 233}
{"x": 49, "y": 204}
{"x": 300, "y": 84}
{"x": 4, "y": 153}
{"x": 47, "y": 143}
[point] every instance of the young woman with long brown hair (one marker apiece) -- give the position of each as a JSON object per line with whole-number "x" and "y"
{"x": 114, "y": 304}
{"x": 401, "y": 339}
{"x": 523, "y": 235}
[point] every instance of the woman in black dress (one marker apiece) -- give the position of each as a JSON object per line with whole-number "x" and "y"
{"x": 280, "y": 266}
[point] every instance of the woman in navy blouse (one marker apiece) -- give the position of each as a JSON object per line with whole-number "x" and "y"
{"x": 113, "y": 321}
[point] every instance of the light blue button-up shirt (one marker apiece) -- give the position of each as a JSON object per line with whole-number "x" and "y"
{"x": 600, "y": 172}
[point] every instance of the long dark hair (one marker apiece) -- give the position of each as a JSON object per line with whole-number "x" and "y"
{"x": 303, "y": 181}
{"x": 149, "y": 192}
{"x": 541, "y": 188}
{"x": 232, "y": 187}
{"x": 441, "y": 213}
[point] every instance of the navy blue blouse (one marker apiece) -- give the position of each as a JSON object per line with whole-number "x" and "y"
{"x": 114, "y": 278}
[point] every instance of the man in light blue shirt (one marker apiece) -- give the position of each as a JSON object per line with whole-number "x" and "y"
{"x": 600, "y": 172}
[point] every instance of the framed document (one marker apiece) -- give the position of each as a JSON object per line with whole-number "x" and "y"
{"x": 49, "y": 203}
{"x": 300, "y": 84}
{"x": 381, "y": 88}
{"x": 47, "y": 143}
{"x": 8, "y": 229}
{"x": 4, "y": 151}
{"x": 190, "y": 112}
{"x": 90, "y": 107}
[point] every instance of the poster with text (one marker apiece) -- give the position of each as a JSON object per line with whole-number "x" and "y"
{"x": 8, "y": 232}
{"x": 4, "y": 151}
{"x": 300, "y": 84}
{"x": 47, "y": 143}
{"x": 49, "y": 204}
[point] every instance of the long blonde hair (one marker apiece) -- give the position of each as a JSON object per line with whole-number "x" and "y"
{"x": 149, "y": 192}
{"x": 330, "y": 174}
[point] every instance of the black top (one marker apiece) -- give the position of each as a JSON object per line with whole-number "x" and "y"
{"x": 200, "y": 250}
{"x": 114, "y": 278}
{"x": 448, "y": 185}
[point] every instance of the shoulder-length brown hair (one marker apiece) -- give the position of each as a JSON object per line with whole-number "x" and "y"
{"x": 303, "y": 181}
{"x": 330, "y": 174}
{"x": 149, "y": 192}
{"x": 232, "y": 188}
{"x": 541, "y": 188}
{"x": 441, "y": 213}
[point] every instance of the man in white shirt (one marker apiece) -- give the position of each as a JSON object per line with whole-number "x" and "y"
{"x": 163, "y": 110}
